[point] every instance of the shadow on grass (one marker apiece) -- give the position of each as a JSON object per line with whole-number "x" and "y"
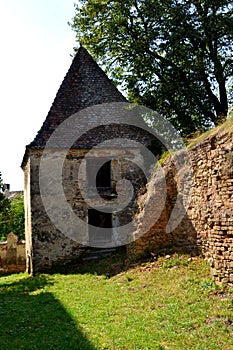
{"x": 117, "y": 263}
{"x": 32, "y": 318}
{"x": 108, "y": 266}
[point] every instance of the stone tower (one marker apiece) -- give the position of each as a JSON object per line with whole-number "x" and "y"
{"x": 85, "y": 85}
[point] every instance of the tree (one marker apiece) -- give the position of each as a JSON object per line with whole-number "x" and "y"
{"x": 174, "y": 56}
{"x": 4, "y": 201}
{"x": 11, "y": 214}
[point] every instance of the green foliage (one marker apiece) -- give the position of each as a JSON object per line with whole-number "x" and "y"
{"x": 4, "y": 209}
{"x": 12, "y": 220}
{"x": 164, "y": 157}
{"x": 11, "y": 215}
{"x": 227, "y": 126}
{"x": 172, "y": 56}
{"x": 1, "y": 182}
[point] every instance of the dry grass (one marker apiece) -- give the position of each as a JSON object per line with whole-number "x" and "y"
{"x": 227, "y": 126}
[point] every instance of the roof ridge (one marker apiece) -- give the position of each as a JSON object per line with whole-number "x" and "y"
{"x": 84, "y": 85}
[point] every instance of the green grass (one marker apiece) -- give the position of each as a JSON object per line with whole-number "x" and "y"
{"x": 170, "y": 303}
{"x": 226, "y": 126}
{"x": 192, "y": 141}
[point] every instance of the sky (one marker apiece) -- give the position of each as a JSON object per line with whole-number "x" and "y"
{"x": 36, "y": 47}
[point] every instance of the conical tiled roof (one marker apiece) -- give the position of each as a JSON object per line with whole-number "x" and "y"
{"x": 84, "y": 85}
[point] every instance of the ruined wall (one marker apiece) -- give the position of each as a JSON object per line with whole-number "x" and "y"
{"x": 12, "y": 254}
{"x": 211, "y": 210}
{"x": 208, "y": 223}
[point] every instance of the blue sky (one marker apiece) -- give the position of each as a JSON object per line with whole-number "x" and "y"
{"x": 36, "y": 43}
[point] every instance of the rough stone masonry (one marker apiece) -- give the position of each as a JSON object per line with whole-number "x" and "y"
{"x": 207, "y": 226}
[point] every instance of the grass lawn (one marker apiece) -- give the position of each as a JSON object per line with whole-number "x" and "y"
{"x": 170, "y": 303}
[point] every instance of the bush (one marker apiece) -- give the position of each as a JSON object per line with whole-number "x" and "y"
{"x": 12, "y": 217}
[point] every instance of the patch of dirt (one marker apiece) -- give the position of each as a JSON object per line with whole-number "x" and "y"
{"x": 227, "y": 321}
{"x": 149, "y": 267}
{"x": 222, "y": 295}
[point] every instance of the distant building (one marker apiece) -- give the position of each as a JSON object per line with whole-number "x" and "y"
{"x": 11, "y": 194}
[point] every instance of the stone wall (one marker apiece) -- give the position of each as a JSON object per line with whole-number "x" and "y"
{"x": 12, "y": 254}
{"x": 45, "y": 244}
{"x": 49, "y": 245}
{"x": 207, "y": 226}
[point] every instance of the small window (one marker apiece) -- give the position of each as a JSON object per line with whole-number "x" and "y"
{"x": 103, "y": 178}
{"x": 98, "y": 178}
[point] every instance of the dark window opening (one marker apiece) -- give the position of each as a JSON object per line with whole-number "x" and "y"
{"x": 103, "y": 177}
{"x": 99, "y": 220}
{"x": 99, "y": 177}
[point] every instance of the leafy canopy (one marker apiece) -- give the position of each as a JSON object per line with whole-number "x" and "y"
{"x": 11, "y": 214}
{"x": 4, "y": 202}
{"x": 174, "y": 56}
